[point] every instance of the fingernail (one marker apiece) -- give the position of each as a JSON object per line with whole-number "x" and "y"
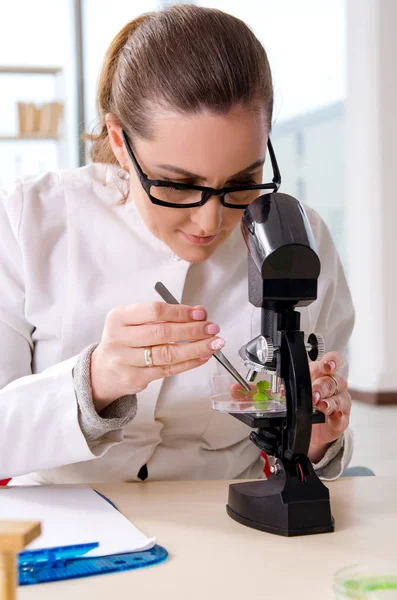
{"x": 198, "y": 314}
{"x": 316, "y": 397}
{"x": 218, "y": 343}
{"x": 327, "y": 404}
{"x": 332, "y": 365}
{"x": 204, "y": 358}
{"x": 339, "y": 414}
{"x": 212, "y": 329}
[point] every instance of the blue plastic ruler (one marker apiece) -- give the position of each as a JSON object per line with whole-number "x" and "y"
{"x": 35, "y": 571}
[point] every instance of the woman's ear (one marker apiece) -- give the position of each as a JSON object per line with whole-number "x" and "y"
{"x": 116, "y": 140}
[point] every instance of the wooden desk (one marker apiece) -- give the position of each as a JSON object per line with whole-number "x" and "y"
{"x": 213, "y": 557}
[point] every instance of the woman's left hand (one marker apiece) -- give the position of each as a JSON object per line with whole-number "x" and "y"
{"x": 331, "y": 397}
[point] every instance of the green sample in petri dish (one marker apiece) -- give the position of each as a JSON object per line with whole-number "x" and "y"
{"x": 372, "y": 584}
{"x": 358, "y": 583}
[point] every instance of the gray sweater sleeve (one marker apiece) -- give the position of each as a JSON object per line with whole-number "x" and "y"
{"x": 337, "y": 457}
{"x": 114, "y": 417}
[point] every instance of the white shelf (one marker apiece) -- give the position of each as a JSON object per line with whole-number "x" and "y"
{"x": 34, "y": 144}
{"x": 14, "y": 138}
{"x": 29, "y": 70}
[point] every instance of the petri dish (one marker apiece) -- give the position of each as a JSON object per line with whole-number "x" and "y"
{"x": 224, "y": 401}
{"x": 367, "y": 582}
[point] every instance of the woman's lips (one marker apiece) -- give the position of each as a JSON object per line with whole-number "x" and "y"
{"x": 199, "y": 240}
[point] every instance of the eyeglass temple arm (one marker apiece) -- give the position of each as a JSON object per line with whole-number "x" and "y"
{"x": 276, "y": 170}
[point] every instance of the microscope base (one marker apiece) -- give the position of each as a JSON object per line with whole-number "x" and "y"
{"x": 282, "y": 506}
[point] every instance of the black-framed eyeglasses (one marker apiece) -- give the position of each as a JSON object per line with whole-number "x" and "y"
{"x": 181, "y": 195}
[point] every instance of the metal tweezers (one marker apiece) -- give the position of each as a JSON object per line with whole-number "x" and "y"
{"x": 170, "y": 299}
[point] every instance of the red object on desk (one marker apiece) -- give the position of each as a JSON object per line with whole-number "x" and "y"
{"x": 266, "y": 466}
{"x": 4, "y": 481}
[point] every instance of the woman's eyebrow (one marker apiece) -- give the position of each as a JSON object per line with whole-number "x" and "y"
{"x": 255, "y": 165}
{"x": 179, "y": 171}
{"x": 173, "y": 169}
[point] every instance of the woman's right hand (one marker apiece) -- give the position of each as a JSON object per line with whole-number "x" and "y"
{"x": 118, "y": 363}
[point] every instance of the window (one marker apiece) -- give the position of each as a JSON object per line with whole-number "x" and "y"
{"x": 299, "y": 141}
{"x": 305, "y": 43}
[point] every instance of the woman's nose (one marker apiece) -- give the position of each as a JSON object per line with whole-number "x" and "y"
{"x": 209, "y": 216}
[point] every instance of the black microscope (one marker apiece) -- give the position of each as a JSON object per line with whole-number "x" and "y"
{"x": 283, "y": 268}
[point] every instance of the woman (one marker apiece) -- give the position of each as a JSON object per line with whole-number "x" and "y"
{"x": 185, "y": 97}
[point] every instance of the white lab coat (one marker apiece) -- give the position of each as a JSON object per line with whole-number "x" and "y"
{"x": 70, "y": 252}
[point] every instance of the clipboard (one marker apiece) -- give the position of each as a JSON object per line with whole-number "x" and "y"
{"x": 71, "y": 561}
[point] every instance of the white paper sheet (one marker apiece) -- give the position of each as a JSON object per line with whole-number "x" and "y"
{"x": 72, "y": 515}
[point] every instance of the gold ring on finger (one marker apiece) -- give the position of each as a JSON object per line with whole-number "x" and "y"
{"x": 148, "y": 357}
{"x": 336, "y": 392}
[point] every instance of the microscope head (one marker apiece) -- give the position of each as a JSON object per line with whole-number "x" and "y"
{"x": 283, "y": 261}
{"x": 283, "y": 268}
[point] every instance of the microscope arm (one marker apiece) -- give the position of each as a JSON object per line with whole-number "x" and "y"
{"x": 296, "y": 376}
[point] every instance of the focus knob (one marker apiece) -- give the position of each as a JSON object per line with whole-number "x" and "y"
{"x": 316, "y": 346}
{"x": 264, "y": 349}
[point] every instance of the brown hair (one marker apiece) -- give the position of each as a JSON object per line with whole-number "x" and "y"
{"x": 186, "y": 58}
